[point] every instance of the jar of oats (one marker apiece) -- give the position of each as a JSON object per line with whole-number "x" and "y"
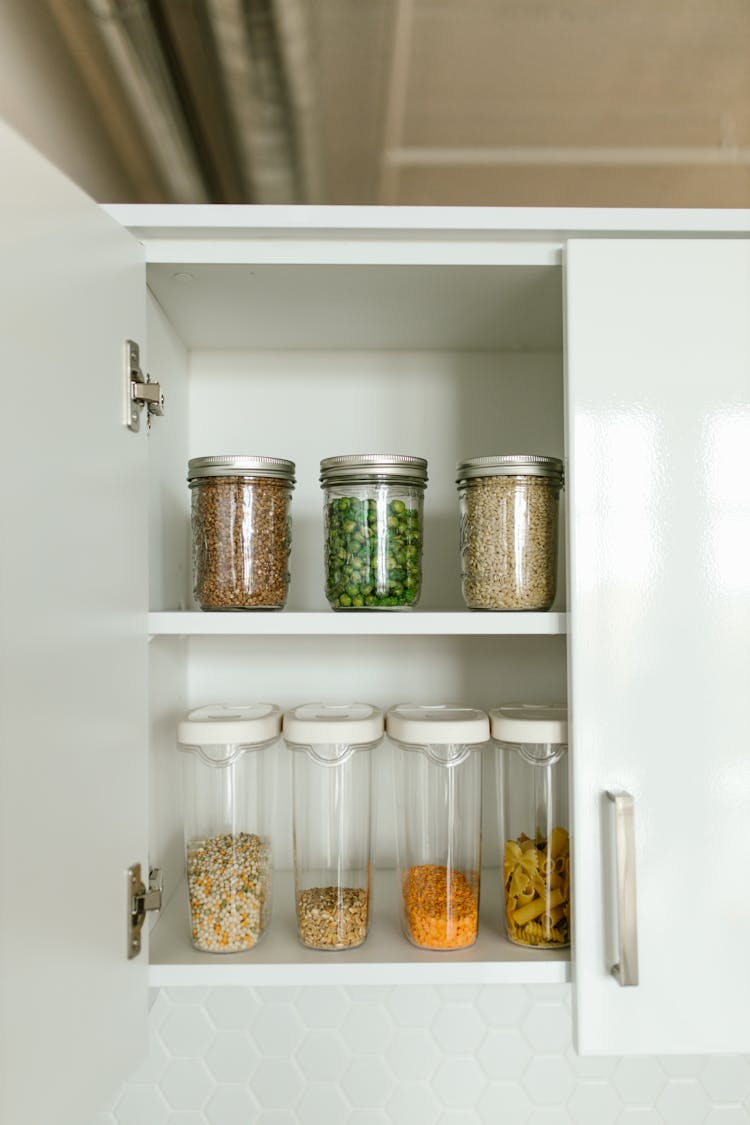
{"x": 226, "y": 792}
{"x": 332, "y": 816}
{"x": 241, "y": 529}
{"x": 509, "y": 530}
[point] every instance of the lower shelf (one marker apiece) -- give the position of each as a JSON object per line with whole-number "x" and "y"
{"x": 385, "y": 958}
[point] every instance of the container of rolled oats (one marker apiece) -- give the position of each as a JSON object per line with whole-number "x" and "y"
{"x": 226, "y": 795}
{"x": 509, "y": 530}
{"x": 332, "y": 748}
{"x": 241, "y": 528}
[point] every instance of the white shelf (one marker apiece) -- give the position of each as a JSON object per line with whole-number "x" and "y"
{"x": 385, "y": 958}
{"x": 328, "y": 623}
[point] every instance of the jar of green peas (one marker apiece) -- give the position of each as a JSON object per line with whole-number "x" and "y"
{"x": 373, "y": 530}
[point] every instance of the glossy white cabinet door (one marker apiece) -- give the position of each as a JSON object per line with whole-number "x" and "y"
{"x": 658, "y": 393}
{"x": 72, "y": 648}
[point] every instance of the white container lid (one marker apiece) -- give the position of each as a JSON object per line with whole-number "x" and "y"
{"x": 437, "y": 725}
{"x": 312, "y": 724}
{"x": 224, "y": 724}
{"x": 530, "y": 722}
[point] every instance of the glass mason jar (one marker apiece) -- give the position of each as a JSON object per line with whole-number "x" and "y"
{"x": 241, "y": 527}
{"x": 373, "y": 530}
{"x": 533, "y": 802}
{"x": 438, "y": 798}
{"x": 509, "y": 528}
{"x": 226, "y": 797}
{"x": 332, "y": 785}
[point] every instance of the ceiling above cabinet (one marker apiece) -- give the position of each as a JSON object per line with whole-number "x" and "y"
{"x": 507, "y": 102}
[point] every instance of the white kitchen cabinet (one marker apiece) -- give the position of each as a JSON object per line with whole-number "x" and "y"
{"x": 618, "y": 340}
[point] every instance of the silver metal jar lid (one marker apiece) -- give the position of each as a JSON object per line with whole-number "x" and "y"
{"x": 510, "y": 465}
{"x": 382, "y": 466}
{"x": 241, "y": 465}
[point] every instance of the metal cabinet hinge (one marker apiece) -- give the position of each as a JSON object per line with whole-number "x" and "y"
{"x": 141, "y": 899}
{"x": 139, "y": 390}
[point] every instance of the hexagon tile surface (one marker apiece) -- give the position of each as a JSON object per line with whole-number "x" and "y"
{"x": 416, "y": 1055}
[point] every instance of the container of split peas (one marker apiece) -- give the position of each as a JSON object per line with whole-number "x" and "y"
{"x": 438, "y": 780}
{"x": 373, "y": 530}
{"x": 226, "y": 796}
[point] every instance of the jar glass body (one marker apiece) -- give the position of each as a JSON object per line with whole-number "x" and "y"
{"x": 241, "y": 532}
{"x": 332, "y": 786}
{"x": 533, "y": 803}
{"x": 438, "y": 798}
{"x": 225, "y": 794}
{"x": 508, "y": 542}
{"x": 373, "y": 543}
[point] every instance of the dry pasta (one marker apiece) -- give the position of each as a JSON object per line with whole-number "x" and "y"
{"x": 536, "y": 877}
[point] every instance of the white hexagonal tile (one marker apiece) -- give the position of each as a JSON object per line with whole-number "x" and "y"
{"x": 367, "y": 994}
{"x": 459, "y": 993}
{"x": 277, "y": 994}
{"x": 549, "y": 993}
{"x": 412, "y": 1054}
{"x": 728, "y": 1115}
{"x": 323, "y": 1056}
{"x": 189, "y": 1117}
{"x": 639, "y": 1080}
{"x": 457, "y": 1117}
{"x": 367, "y": 1082}
{"x": 367, "y": 1029}
{"x": 591, "y": 1066}
{"x": 503, "y": 1005}
{"x": 231, "y": 1105}
{"x": 458, "y": 1029}
{"x": 277, "y": 1029}
{"x": 459, "y": 1082}
{"x": 186, "y": 1032}
{"x": 504, "y": 1055}
{"x": 413, "y": 1005}
{"x": 504, "y": 1102}
{"x": 594, "y": 1103}
{"x": 368, "y": 1117}
{"x": 641, "y": 1115}
{"x": 551, "y": 1117}
{"x": 277, "y": 1083}
{"x": 232, "y": 1009}
{"x": 141, "y": 1103}
{"x": 548, "y": 1080}
{"x": 683, "y": 1102}
{"x": 412, "y": 1103}
{"x": 322, "y": 1007}
{"x": 275, "y": 1117}
{"x": 726, "y": 1078}
{"x": 682, "y": 1066}
{"x": 186, "y": 1084}
{"x": 187, "y": 995}
{"x": 160, "y": 1006}
{"x": 322, "y": 1104}
{"x": 547, "y": 1028}
{"x": 231, "y": 1057}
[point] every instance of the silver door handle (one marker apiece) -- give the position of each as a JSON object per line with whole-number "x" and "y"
{"x": 625, "y": 971}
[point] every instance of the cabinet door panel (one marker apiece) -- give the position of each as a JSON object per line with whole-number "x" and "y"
{"x": 73, "y": 648}
{"x": 658, "y": 401}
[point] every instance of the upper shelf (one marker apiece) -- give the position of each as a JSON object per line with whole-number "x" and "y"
{"x": 329, "y": 624}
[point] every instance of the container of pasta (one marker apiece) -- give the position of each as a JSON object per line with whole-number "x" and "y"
{"x": 438, "y": 800}
{"x": 532, "y": 774}
{"x": 226, "y": 798}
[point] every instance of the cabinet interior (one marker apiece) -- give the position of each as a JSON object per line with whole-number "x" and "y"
{"x": 304, "y": 362}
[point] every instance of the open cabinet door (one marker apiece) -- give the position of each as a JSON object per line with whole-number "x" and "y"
{"x": 658, "y": 394}
{"x": 73, "y": 772}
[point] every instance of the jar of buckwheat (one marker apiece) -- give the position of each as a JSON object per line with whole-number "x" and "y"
{"x": 509, "y": 530}
{"x": 241, "y": 529}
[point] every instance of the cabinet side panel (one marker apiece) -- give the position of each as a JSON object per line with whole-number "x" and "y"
{"x": 658, "y": 386}
{"x": 72, "y": 648}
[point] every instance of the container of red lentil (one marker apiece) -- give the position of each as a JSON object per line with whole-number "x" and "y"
{"x": 438, "y": 781}
{"x": 226, "y": 797}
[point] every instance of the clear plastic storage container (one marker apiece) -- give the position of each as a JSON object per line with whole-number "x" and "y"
{"x": 332, "y": 782}
{"x": 373, "y": 530}
{"x": 438, "y": 801}
{"x": 509, "y": 529}
{"x": 533, "y": 799}
{"x": 241, "y": 526}
{"x": 226, "y": 797}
